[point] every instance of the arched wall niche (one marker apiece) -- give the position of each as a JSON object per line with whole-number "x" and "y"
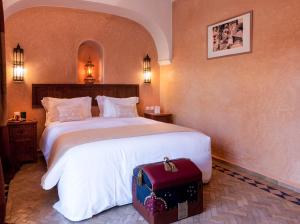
{"x": 90, "y": 49}
{"x": 154, "y": 15}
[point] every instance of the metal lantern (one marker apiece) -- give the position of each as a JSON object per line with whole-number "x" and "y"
{"x": 18, "y": 64}
{"x": 89, "y": 68}
{"x": 147, "y": 69}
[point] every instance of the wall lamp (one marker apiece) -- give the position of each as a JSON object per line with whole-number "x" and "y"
{"x": 147, "y": 69}
{"x": 89, "y": 68}
{"x": 18, "y": 64}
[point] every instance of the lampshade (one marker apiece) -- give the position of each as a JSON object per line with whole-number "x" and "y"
{"x": 89, "y": 69}
{"x": 18, "y": 64}
{"x": 147, "y": 69}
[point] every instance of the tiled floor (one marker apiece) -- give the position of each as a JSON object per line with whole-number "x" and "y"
{"x": 268, "y": 187}
{"x": 232, "y": 196}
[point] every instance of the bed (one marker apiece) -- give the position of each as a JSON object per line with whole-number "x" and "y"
{"x": 96, "y": 175}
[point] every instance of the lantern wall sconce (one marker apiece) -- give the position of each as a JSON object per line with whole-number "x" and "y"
{"x": 89, "y": 68}
{"x": 147, "y": 69}
{"x": 18, "y": 64}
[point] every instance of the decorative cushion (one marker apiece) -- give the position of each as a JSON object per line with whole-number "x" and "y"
{"x": 110, "y": 110}
{"x": 69, "y": 113}
{"x": 50, "y": 105}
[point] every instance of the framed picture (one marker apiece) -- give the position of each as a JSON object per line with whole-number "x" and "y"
{"x": 230, "y": 37}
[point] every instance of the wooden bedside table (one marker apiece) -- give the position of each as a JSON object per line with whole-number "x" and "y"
{"x": 23, "y": 141}
{"x": 163, "y": 117}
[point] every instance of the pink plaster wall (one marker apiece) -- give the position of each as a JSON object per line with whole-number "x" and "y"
{"x": 51, "y": 38}
{"x": 249, "y": 104}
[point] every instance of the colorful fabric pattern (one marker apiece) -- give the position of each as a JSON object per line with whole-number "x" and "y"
{"x": 154, "y": 204}
{"x": 164, "y": 199}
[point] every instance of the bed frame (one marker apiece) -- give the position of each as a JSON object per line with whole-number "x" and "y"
{"x": 80, "y": 90}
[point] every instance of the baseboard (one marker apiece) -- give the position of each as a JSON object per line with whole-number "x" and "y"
{"x": 271, "y": 180}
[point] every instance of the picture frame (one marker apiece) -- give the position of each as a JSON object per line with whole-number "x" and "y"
{"x": 231, "y": 36}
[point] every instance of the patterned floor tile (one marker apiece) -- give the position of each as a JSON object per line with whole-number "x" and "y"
{"x": 295, "y": 198}
{"x": 230, "y": 197}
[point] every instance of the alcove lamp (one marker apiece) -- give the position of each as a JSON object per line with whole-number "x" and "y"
{"x": 147, "y": 69}
{"x": 89, "y": 68}
{"x": 18, "y": 64}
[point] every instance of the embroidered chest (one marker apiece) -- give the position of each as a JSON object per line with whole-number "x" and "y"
{"x": 167, "y": 191}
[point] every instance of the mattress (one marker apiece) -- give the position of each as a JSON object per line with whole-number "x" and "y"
{"x": 96, "y": 176}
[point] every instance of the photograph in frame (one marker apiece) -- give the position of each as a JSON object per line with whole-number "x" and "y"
{"x": 230, "y": 37}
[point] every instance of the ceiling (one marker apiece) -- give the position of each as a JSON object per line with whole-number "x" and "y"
{"x": 154, "y": 15}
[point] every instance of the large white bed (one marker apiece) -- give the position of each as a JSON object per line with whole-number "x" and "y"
{"x": 96, "y": 176}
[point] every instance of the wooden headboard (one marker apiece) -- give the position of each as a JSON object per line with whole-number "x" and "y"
{"x": 80, "y": 90}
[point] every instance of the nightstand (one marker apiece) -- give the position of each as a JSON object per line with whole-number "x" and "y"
{"x": 163, "y": 117}
{"x": 23, "y": 141}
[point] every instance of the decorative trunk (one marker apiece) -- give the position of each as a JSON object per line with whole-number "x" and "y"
{"x": 168, "y": 191}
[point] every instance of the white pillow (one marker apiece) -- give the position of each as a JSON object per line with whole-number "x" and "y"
{"x": 70, "y": 113}
{"x": 120, "y": 101}
{"x": 50, "y": 104}
{"x": 116, "y": 109}
{"x": 125, "y": 110}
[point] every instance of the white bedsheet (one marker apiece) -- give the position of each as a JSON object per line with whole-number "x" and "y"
{"x": 96, "y": 176}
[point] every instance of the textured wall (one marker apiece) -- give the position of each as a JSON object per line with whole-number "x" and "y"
{"x": 51, "y": 38}
{"x": 249, "y": 104}
{"x": 154, "y": 15}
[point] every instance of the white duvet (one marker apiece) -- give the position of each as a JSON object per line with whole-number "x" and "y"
{"x": 96, "y": 176}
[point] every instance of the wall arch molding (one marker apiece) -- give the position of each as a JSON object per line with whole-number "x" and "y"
{"x": 155, "y": 16}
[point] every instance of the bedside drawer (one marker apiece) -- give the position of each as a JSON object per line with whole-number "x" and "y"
{"x": 22, "y": 142}
{"x": 22, "y": 132}
{"x": 167, "y": 118}
{"x": 25, "y": 151}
